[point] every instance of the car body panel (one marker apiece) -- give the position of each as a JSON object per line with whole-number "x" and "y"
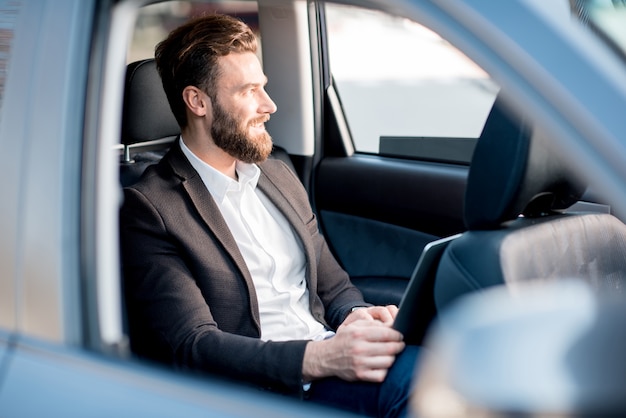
{"x": 42, "y": 165}
{"x": 43, "y": 379}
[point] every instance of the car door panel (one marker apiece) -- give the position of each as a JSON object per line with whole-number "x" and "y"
{"x": 378, "y": 256}
{"x": 378, "y": 213}
{"x": 422, "y": 196}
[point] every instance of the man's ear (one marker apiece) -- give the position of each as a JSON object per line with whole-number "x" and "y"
{"x": 197, "y": 101}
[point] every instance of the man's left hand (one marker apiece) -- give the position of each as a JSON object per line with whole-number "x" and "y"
{"x": 385, "y": 314}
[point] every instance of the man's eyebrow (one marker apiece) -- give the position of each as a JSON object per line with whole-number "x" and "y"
{"x": 254, "y": 84}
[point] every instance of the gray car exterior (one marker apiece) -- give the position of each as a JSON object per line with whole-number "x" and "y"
{"x": 63, "y": 351}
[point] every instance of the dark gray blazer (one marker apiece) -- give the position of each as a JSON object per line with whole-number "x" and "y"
{"x": 190, "y": 298}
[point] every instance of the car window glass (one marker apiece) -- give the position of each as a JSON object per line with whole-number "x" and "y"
{"x": 402, "y": 86}
{"x": 155, "y": 21}
{"x": 606, "y": 19}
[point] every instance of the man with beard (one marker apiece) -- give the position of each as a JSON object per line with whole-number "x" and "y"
{"x": 225, "y": 270}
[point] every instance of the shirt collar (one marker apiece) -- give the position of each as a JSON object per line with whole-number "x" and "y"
{"x": 217, "y": 183}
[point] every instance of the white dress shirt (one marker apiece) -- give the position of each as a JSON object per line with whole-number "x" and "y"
{"x": 271, "y": 250}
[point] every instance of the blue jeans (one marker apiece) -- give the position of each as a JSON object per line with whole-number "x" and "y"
{"x": 387, "y": 399}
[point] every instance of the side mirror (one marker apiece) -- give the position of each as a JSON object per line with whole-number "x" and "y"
{"x": 544, "y": 349}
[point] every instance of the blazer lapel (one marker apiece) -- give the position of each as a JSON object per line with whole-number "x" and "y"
{"x": 212, "y": 216}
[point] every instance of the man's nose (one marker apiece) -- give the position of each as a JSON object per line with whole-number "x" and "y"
{"x": 267, "y": 105}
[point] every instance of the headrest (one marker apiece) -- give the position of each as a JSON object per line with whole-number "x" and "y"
{"x": 147, "y": 115}
{"x": 513, "y": 172}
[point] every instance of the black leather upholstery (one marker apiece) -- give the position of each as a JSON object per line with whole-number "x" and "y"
{"x": 147, "y": 115}
{"x": 514, "y": 173}
{"x": 511, "y": 175}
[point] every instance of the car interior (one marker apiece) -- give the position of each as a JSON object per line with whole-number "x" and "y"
{"x": 379, "y": 211}
{"x": 518, "y": 229}
{"x": 149, "y": 129}
{"x": 378, "y": 248}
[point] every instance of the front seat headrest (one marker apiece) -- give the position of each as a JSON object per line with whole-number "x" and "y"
{"x": 147, "y": 115}
{"x": 513, "y": 172}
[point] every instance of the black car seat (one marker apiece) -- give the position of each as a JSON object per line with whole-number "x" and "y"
{"x": 147, "y": 120}
{"x": 517, "y": 229}
{"x": 148, "y": 124}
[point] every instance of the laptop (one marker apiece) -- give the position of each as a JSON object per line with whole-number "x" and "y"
{"x": 417, "y": 306}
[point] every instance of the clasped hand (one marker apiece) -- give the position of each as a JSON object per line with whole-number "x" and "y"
{"x": 364, "y": 347}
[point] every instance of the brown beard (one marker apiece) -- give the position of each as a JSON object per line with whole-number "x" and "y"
{"x": 230, "y": 136}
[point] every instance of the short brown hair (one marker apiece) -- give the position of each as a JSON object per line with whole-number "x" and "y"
{"x": 188, "y": 56}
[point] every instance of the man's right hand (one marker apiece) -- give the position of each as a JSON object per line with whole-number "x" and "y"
{"x": 362, "y": 349}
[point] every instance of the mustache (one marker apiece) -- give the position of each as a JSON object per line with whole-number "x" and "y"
{"x": 261, "y": 119}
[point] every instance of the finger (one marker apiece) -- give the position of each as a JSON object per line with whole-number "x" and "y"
{"x": 375, "y": 362}
{"x": 393, "y": 310}
{"x": 382, "y": 334}
{"x": 357, "y": 318}
{"x": 368, "y": 330}
{"x": 386, "y": 348}
{"x": 380, "y": 313}
{"x": 361, "y": 313}
{"x": 371, "y": 375}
